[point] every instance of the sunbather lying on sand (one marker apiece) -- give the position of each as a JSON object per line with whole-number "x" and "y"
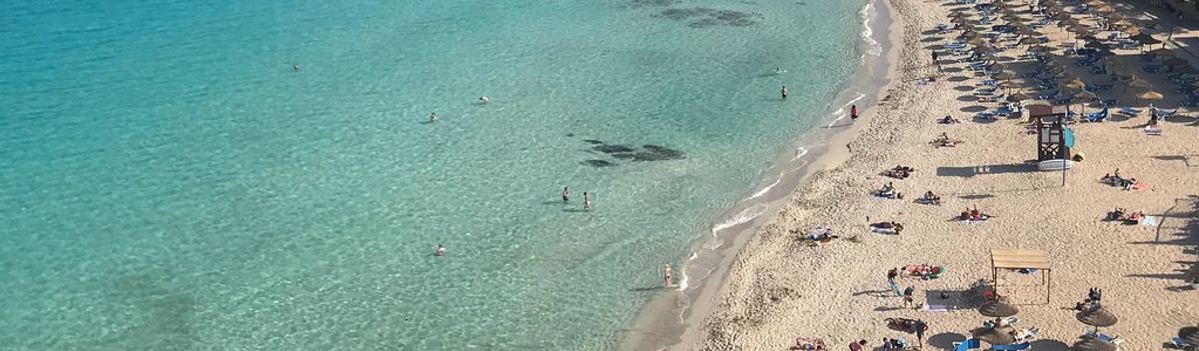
{"x": 973, "y": 215}
{"x": 899, "y": 172}
{"x": 1117, "y": 180}
{"x": 1123, "y": 215}
{"x": 888, "y": 191}
{"x": 929, "y": 198}
{"x": 945, "y": 141}
{"x": 820, "y": 234}
{"x": 808, "y": 344}
{"x": 948, "y": 120}
{"x": 887, "y": 227}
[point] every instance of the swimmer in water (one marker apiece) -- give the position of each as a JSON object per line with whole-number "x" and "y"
{"x": 433, "y": 117}
{"x": 440, "y": 250}
{"x": 483, "y": 99}
{"x": 295, "y": 66}
{"x": 586, "y": 201}
{"x": 777, "y": 70}
{"x": 784, "y": 92}
{"x": 565, "y": 194}
{"x": 666, "y": 274}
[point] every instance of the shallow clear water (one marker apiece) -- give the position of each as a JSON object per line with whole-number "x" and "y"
{"x": 171, "y": 184}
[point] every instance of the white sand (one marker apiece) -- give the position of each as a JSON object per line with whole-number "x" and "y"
{"x": 779, "y": 289}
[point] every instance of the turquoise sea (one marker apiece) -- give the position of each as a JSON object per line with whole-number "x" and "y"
{"x": 170, "y": 183}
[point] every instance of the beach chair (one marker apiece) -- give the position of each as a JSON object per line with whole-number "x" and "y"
{"x": 1095, "y": 116}
{"x": 1109, "y": 338}
{"x": 1131, "y": 111}
{"x": 1178, "y": 343}
{"x": 1012, "y": 347}
{"x": 1161, "y": 113}
{"x": 968, "y": 344}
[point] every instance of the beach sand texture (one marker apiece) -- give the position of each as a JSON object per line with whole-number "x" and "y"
{"x": 780, "y": 289}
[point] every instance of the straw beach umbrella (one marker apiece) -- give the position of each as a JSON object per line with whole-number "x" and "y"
{"x": 1104, "y": 9}
{"x": 1076, "y": 83}
{"x": 1019, "y": 96}
{"x": 977, "y": 42}
{"x": 1029, "y": 41}
{"x": 1097, "y": 317}
{"x": 1189, "y": 334}
{"x": 993, "y": 336}
{"x": 998, "y": 309}
{"x": 1149, "y": 95}
{"x": 1093, "y": 344}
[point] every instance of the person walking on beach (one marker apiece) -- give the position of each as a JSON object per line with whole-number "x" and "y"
{"x": 667, "y": 274}
{"x": 433, "y": 117}
{"x": 440, "y": 250}
{"x": 853, "y": 112}
{"x": 887, "y": 345}
{"x": 907, "y": 297}
{"x": 936, "y": 61}
{"x": 586, "y": 201}
{"x": 784, "y": 92}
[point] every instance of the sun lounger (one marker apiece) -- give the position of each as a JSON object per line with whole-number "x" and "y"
{"x": 1095, "y": 116}
{"x": 968, "y": 344}
{"x": 1133, "y": 111}
{"x": 1013, "y": 347}
{"x": 1177, "y": 342}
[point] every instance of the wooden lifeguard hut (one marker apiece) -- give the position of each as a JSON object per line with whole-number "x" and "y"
{"x": 1050, "y": 122}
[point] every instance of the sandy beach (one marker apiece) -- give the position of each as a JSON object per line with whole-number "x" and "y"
{"x": 780, "y": 288}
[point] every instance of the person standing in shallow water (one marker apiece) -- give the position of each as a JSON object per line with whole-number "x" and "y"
{"x": 667, "y": 274}
{"x": 565, "y": 194}
{"x": 853, "y": 112}
{"x": 784, "y": 92}
{"x": 433, "y": 117}
{"x": 586, "y": 201}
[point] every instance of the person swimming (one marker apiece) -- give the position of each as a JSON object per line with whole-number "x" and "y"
{"x": 566, "y": 194}
{"x": 440, "y": 250}
{"x": 433, "y": 117}
{"x": 483, "y": 99}
{"x": 295, "y": 67}
{"x": 586, "y": 201}
{"x": 784, "y": 92}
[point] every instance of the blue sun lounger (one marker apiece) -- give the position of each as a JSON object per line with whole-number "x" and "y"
{"x": 965, "y": 345}
{"x": 1130, "y": 110}
{"x": 1011, "y": 347}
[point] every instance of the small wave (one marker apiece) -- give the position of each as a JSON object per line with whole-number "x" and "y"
{"x": 768, "y": 187}
{"x": 841, "y": 113}
{"x": 712, "y": 245}
{"x": 874, "y": 48}
{"x": 742, "y": 217}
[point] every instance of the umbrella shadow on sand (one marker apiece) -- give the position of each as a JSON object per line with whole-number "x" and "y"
{"x": 944, "y": 341}
{"x": 1049, "y": 345}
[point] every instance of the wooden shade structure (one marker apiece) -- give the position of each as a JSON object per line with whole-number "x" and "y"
{"x": 1015, "y": 259}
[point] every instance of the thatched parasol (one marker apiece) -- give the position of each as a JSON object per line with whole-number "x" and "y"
{"x": 1017, "y": 97}
{"x": 1190, "y": 335}
{"x": 1076, "y": 83}
{"x": 1136, "y": 83}
{"x": 1086, "y": 95}
{"x": 998, "y": 309}
{"x": 1145, "y": 39}
{"x": 1104, "y": 9}
{"x": 959, "y": 14}
{"x": 1004, "y": 75}
{"x": 1096, "y": 2}
{"x": 978, "y": 42}
{"x": 1029, "y": 41}
{"x": 1093, "y": 344}
{"x": 1039, "y": 48}
{"x": 960, "y": 20}
{"x": 1150, "y": 95}
{"x": 993, "y": 336}
{"x": 1098, "y": 317}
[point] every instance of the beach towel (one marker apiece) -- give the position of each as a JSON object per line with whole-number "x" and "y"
{"x": 1139, "y": 185}
{"x": 883, "y": 230}
{"x": 1149, "y": 221}
{"x": 1152, "y": 131}
{"x": 936, "y": 308}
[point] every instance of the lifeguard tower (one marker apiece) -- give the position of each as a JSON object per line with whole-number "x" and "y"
{"x": 1050, "y": 122}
